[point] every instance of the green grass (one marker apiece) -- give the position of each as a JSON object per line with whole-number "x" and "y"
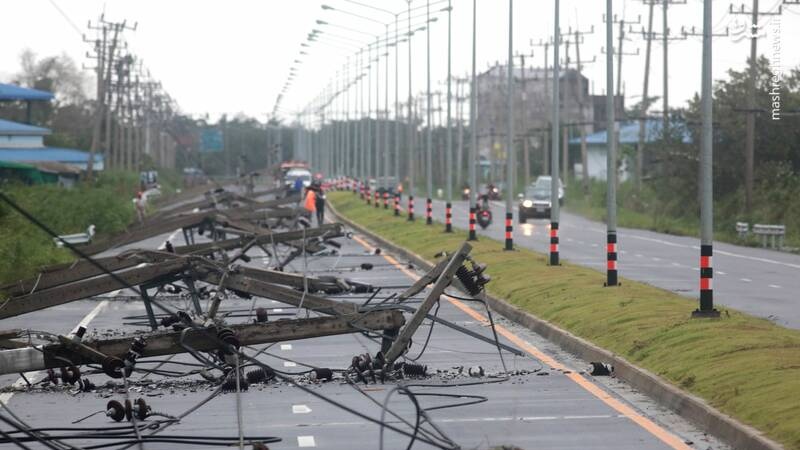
{"x": 24, "y": 248}
{"x": 746, "y": 367}
{"x": 646, "y": 212}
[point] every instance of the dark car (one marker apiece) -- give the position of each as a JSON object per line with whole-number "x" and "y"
{"x": 535, "y": 202}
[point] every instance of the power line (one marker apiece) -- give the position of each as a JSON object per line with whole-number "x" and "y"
{"x": 66, "y": 17}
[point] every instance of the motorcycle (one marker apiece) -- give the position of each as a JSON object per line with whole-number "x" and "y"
{"x": 484, "y": 214}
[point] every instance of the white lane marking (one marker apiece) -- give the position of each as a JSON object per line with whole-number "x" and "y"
{"x": 755, "y": 258}
{"x": 746, "y": 280}
{"x": 601, "y": 416}
{"x": 306, "y": 441}
{"x": 656, "y": 259}
{"x": 170, "y": 239}
{"x": 639, "y": 255}
{"x": 676, "y": 264}
{"x": 89, "y": 317}
{"x": 719, "y": 272}
{"x": 286, "y": 346}
{"x": 34, "y": 376}
{"x": 289, "y": 364}
{"x": 300, "y": 409}
{"x": 594, "y": 245}
{"x": 775, "y": 286}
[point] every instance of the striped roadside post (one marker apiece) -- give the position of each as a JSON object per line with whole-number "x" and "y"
{"x": 509, "y": 231}
{"x": 554, "y": 243}
{"x": 429, "y": 211}
{"x": 385, "y": 200}
{"x": 611, "y": 259}
{"x": 448, "y": 217}
{"x": 472, "y": 235}
{"x": 377, "y": 199}
{"x": 411, "y": 208}
{"x": 396, "y": 204}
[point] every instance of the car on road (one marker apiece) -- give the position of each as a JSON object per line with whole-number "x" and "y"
{"x": 292, "y": 175}
{"x": 545, "y": 181}
{"x": 535, "y": 202}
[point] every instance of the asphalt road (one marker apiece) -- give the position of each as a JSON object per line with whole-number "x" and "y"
{"x": 547, "y": 402}
{"x": 757, "y": 281}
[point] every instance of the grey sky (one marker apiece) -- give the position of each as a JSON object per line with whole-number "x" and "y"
{"x": 233, "y": 56}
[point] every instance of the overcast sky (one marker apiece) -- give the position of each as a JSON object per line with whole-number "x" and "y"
{"x": 233, "y": 56}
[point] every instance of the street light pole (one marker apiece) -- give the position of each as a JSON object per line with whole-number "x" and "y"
{"x": 411, "y": 157}
{"x": 510, "y": 154}
{"x": 386, "y": 123}
{"x": 611, "y": 156}
{"x": 706, "y": 177}
{"x": 473, "y": 152}
{"x": 448, "y": 216}
{"x": 396, "y": 114}
{"x": 429, "y": 134}
{"x": 554, "y": 184}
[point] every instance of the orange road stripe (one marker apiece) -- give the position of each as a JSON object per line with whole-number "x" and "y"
{"x": 651, "y": 427}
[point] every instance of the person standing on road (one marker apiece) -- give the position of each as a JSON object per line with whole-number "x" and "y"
{"x": 138, "y": 202}
{"x": 319, "y": 198}
{"x": 310, "y": 202}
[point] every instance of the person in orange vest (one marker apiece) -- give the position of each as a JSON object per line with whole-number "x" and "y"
{"x": 310, "y": 201}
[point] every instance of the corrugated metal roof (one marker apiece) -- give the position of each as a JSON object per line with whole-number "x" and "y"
{"x": 62, "y": 155}
{"x": 8, "y": 127}
{"x": 629, "y": 133}
{"x": 12, "y": 92}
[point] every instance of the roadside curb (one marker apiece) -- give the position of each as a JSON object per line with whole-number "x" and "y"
{"x": 688, "y": 406}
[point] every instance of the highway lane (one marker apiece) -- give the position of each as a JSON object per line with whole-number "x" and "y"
{"x": 563, "y": 409}
{"x": 757, "y": 281}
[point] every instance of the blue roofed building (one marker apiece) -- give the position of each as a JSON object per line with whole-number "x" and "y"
{"x": 21, "y": 143}
{"x": 597, "y": 146}
{"x": 14, "y": 93}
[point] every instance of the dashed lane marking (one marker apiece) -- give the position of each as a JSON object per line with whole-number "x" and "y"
{"x": 774, "y": 286}
{"x": 306, "y": 441}
{"x": 746, "y": 280}
{"x": 300, "y": 409}
{"x": 656, "y": 430}
{"x": 34, "y": 376}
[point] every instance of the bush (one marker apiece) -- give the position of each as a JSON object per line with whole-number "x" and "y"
{"x": 24, "y": 247}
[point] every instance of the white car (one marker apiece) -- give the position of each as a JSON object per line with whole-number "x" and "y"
{"x": 545, "y": 181}
{"x": 294, "y": 174}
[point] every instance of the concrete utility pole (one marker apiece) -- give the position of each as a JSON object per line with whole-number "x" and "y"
{"x": 526, "y": 160}
{"x": 545, "y": 153}
{"x": 611, "y": 157}
{"x": 750, "y": 131}
{"x": 565, "y": 126}
{"x": 473, "y": 145}
{"x": 665, "y": 37}
{"x": 645, "y": 99}
{"x": 579, "y": 65}
{"x": 460, "y": 119}
{"x": 100, "y": 54}
{"x": 555, "y": 120}
{"x": 510, "y": 153}
{"x": 706, "y": 172}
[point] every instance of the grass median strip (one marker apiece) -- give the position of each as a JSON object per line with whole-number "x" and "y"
{"x": 746, "y": 367}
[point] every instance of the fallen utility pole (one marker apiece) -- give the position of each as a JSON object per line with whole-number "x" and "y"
{"x": 159, "y": 344}
{"x": 47, "y": 298}
{"x": 78, "y": 270}
{"x": 403, "y": 340}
